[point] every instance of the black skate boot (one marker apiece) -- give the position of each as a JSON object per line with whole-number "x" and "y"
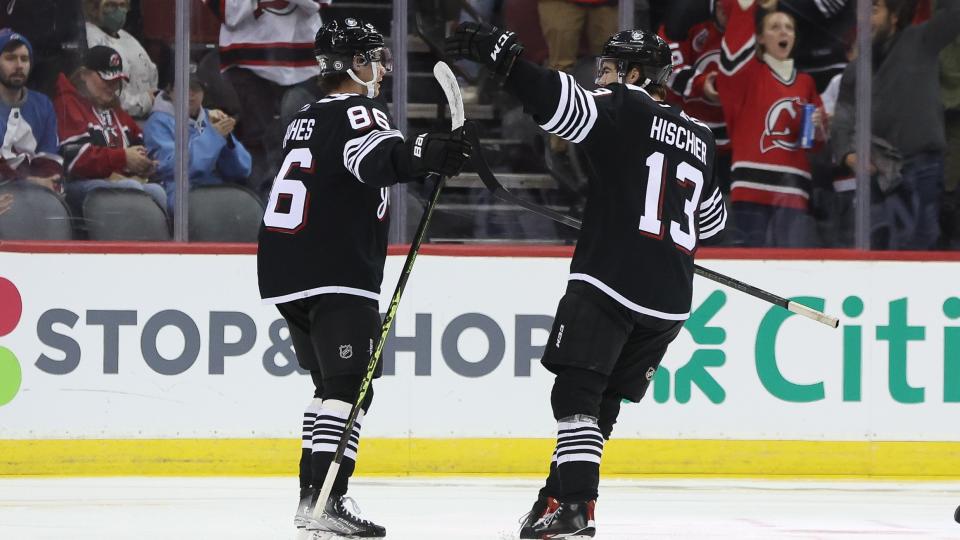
{"x": 541, "y": 508}
{"x": 308, "y": 499}
{"x": 570, "y": 521}
{"x": 343, "y": 523}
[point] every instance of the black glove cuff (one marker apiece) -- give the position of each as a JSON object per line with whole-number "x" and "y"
{"x": 501, "y": 71}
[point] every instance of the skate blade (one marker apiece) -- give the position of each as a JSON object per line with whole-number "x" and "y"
{"x": 584, "y": 534}
{"x": 324, "y": 535}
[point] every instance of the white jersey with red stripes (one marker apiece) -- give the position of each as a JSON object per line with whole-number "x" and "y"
{"x": 272, "y": 38}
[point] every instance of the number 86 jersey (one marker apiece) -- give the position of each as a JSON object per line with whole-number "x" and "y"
{"x": 326, "y": 222}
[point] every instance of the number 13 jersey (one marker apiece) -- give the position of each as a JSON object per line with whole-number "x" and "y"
{"x": 326, "y": 223}
{"x": 652, "y": 196}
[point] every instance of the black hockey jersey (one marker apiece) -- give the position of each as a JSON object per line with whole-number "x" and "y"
{"x": 652, "y": 196}
{"x": 326, "y": 223}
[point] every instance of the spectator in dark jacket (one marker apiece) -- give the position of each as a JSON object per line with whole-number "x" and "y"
{"x": 907, "y": 115}
{"x": 102, "y": 145}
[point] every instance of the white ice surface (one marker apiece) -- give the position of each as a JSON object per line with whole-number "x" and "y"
{"x": 488, "y": 509}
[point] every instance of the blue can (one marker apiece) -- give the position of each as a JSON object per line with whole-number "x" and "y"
{"x": 807, "y": 135}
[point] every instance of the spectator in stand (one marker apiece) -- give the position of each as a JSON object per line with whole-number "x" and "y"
{"x": 266, "y": 53}
{"x": 55, "y": 30}
{"x": 105, "y": 20}
{"x": 908, "y": 120}
{"x": 101, "y": 144}
{"x": 28, "y": 129}
{"x": 763, "y": 97}
{"x": 563, "y": 23}
{"x": 216, "y": 156}
{"x": 696, "y": 63}
{"x": 824, "y": 25}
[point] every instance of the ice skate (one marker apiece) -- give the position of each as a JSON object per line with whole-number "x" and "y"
{"x": 571, "y": 521}
{"x": 308, "y": 498}
{"x": 542, "y": 507}
{"x": 338, "y": 522}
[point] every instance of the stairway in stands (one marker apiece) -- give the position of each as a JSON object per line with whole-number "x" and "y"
{"x": 466, "y": 212}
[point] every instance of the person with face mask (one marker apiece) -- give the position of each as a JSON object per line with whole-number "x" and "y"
{"x": 907, "y": 117}
{"x": 105, "y": 20}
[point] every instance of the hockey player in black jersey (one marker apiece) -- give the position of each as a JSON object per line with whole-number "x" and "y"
{"x": 651, "y": 200}
{"x": 323, "y": 244}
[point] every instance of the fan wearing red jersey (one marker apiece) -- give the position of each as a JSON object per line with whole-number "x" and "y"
{"x": 763, "y": 98}
{"x": 696, "y": 64}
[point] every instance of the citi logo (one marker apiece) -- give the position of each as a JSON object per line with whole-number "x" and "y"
{"x": 11, "y": 309}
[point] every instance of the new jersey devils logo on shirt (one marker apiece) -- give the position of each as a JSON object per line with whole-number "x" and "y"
{"x": 782, "y": 126}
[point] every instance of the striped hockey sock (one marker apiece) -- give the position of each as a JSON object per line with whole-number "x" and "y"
{"x": 327, "y": 428}
{"x": 309, "y": 417}
{"x": 579, "y": 450}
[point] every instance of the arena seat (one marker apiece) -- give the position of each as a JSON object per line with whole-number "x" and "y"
{"x": 37, "y": 214}
{"x": 124, "y": 214}
{"x": 224, "y": 213}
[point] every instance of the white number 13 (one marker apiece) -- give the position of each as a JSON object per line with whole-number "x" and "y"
{"x": 650, "y": 221}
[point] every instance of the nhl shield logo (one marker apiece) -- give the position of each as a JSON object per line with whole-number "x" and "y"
{"x": 346, "y": 351}
{"x": 636, "y": 35}
{"x": 651, "y": 372}
{"x": 350, "y": 22}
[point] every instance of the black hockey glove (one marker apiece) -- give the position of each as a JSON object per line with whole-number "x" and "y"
{"x": 441, "y": 153}
{"x": 497, "y": 49}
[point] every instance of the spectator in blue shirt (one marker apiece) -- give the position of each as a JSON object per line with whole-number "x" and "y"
{"x": 216, "y": 156}
{"x": 29, "y": 149}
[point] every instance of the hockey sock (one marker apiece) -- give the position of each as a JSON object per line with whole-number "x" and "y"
{"x": 327, "y": 430}
{"x": 579, "y": 450}
{"x": 551, "y": 487}
{"x": 309, "y": 417}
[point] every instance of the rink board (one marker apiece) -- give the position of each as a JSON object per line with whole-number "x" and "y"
{"x": 167, "y": 363}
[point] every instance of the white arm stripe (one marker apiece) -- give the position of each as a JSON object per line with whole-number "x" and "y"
{"x": 713, "y": 215}
{"x": 576, "y": 112}
{"x": 357, "y": 149}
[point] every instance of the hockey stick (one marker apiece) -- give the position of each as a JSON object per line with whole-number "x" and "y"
{"x": 497, "y": 189}
{"x": 449, "y": 84}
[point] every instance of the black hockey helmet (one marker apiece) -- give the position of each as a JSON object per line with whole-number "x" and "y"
{"x": 640, "y": 49}
{"x": 337, "y": 44}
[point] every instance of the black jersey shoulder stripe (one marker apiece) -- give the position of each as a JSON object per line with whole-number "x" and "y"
{"x": 576, "y": 112}
{"x": 357, "y": 149}
{"x": 733, "y": 61}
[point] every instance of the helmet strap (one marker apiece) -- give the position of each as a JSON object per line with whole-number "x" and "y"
{"x": 370, "y": 85}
